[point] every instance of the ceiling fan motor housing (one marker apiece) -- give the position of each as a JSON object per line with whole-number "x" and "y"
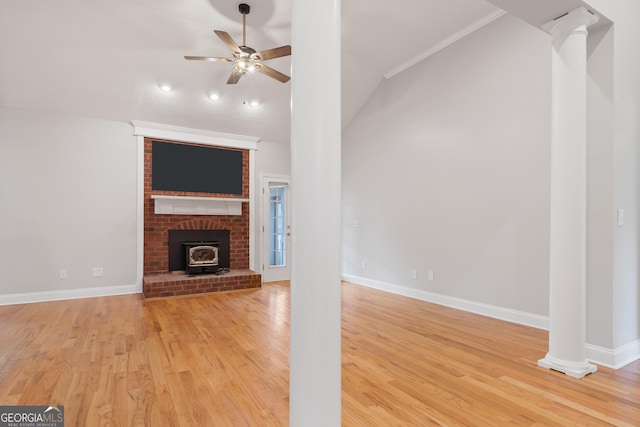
{"x": 247, "y": 51}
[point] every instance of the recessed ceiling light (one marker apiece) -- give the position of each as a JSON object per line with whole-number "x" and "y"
{"x": 254, "y": 103}
{"x": 214, "y": 96}
{"x": 166, "y": 87}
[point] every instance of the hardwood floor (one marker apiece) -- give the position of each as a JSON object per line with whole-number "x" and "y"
{"x": 222, "y": 360}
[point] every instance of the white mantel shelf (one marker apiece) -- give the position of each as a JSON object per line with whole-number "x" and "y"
{"x": 187, "y": 205}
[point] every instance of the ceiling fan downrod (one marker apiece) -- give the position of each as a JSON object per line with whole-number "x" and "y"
{"x": 244, "y": 10}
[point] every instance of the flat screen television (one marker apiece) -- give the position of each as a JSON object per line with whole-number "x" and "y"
{"x": 192, "y": 168}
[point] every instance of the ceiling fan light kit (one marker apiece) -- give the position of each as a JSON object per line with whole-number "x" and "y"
{"x": 245, "y": 59}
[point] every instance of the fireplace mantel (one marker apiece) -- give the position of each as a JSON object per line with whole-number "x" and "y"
{"x": 188, "y": 205}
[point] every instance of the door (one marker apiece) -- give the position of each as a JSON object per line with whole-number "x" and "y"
{"x": 276, "y": 228}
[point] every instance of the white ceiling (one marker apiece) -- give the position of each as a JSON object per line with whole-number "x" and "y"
{"x": 105, "y": 59}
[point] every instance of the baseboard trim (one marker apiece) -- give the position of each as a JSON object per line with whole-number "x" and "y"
{"x": 64, "y": 294}
{"x": 501, "y": 313}
{"x": 616, "y": 358}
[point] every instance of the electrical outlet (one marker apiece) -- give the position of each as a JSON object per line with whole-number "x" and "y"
{"x": 430, "y": 275}
{"x": 98, "y": 272}
{"x": 364, "y": 265}
{"x": 63, "y": 273}
{"x": 414, "y": 274}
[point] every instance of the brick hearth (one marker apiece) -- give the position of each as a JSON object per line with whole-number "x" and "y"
{"x": 158, "y": 280}
{"x": 170, "y": 284}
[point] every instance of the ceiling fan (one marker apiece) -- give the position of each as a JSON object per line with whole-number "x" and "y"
{"x": 246, "y": 59}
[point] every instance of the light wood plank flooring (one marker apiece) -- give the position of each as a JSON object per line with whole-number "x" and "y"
{"x": 222, "y": 360}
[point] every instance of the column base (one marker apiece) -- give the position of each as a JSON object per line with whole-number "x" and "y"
{"x": 573, "y": 369}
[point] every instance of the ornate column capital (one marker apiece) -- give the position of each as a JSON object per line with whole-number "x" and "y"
{"x": 577, "y": 20}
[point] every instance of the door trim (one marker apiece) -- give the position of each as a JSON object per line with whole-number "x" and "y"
{"x": 265, "y": 179}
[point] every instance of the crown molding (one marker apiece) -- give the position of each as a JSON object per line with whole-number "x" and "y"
{"x": 487, "y": 19}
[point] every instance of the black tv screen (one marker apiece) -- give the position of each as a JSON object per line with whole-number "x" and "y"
{"x": 190, "y": 168}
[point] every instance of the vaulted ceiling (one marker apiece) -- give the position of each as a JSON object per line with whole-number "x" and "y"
{"x": 106, "y": 59}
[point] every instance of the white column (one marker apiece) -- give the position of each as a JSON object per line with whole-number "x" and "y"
{"x": 315, "y": 359}
{"x": 567, "y": 275}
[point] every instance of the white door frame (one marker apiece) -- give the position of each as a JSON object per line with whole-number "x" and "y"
{"x": 265, "y": 179}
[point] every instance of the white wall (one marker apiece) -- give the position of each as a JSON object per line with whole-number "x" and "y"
{"x": 68, "y": 194}
{"x": 272, "y": 158}
{"x": 446, "y": 168}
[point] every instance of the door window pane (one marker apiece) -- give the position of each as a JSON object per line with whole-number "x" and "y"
{"x": 277, "y": 238}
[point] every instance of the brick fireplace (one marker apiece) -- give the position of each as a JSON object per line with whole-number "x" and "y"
{"x": 158, "y": 280}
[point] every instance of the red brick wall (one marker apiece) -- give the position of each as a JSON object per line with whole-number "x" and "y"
{"x": 156, "y": 227}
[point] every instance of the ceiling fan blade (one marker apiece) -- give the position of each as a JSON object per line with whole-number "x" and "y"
{"x": 226, "y": 38}
{"x": 276, "y": 52}
{"x": 234, "y": 78}
{"x": 274, "y": 74}
{"x": 209, "y": 58}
